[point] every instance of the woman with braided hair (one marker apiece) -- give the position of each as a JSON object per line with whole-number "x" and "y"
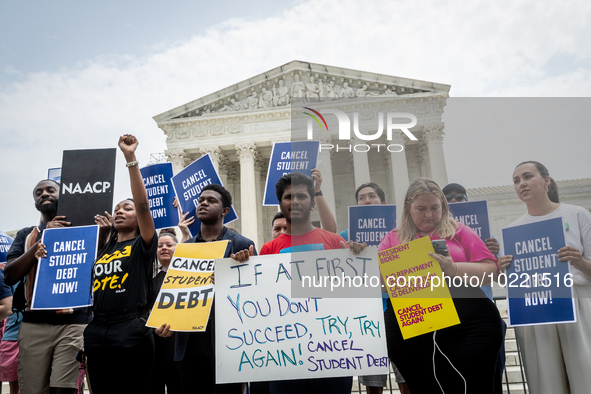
{"x": 118, "y": 345}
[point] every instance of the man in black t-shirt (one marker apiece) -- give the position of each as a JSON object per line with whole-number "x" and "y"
{"x": 195, "y": 352}
{"x": 49, "y": 339}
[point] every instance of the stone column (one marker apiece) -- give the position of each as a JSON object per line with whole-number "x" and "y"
{"x": 231, "y": 185}
{"x": 273, "y": 142}
{"x": 248, "y": 200}
{"x": 389, "y": 187}
{"x": 399, "y": 169}
{"x": 433, "y": 136}
{"x": 215, "y": 152}
{"x": 223, "y": 170}
{"x": 219, "y": 161}
{"x": 325, "y": 167}
{"x": 360, "y": 165}
{"x": 178, "y": 157}
{"x": 423, "y": 153}
{"x": 260, "y": 170}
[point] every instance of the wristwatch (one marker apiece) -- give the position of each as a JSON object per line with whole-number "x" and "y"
{"x": 318, "y": 193}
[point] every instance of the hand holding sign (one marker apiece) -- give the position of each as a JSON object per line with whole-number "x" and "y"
{"x": 317, "y": 177}
{"x": 504, "y": 262}
{"x": 493, "y": 246}
{"x": 355, "y": 247}
{"x": 163, "y": 331}
{"x": 41, "y": 252}
{"x": 58, "y": 221}
{"x": 184, "y": 223}
{"x": 573, "y": 255}
{"x": 243, "y": 255}
{"x": 104, "y": 221}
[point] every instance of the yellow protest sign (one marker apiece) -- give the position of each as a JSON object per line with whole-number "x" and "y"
{"x": 421, "y": 305}
{"x": 186, "y": 296}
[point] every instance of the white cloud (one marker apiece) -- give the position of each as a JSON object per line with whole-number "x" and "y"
{"x": 481, "y": 48}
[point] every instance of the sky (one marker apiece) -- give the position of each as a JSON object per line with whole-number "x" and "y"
{"x": 77, "y": 74}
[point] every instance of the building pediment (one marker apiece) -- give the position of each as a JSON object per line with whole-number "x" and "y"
{"x": 276, "y": 88}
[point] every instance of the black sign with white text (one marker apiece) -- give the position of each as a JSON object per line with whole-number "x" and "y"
{"x": 87, "y": 181}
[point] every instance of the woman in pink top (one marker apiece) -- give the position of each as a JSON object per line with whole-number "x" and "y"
{"x": 461, "y": 358}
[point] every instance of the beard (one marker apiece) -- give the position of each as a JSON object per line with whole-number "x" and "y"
{"x": 297, "y": 220}
{"x": 47, "y": 208}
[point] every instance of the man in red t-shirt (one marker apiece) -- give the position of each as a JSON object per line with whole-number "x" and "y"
{"x": 295, "y": 193}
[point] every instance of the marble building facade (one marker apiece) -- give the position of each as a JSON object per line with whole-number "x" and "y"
{"x": 238, "y": 125}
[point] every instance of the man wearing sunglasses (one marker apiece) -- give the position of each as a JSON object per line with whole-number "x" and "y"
{"x": 455, "y": 193}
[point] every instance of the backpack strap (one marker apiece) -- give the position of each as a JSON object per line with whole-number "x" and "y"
{"x": 30, "y": 277}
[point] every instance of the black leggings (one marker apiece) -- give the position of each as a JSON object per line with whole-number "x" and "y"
{"x": 458, "y": 359}
{"x": 119, "y": 356}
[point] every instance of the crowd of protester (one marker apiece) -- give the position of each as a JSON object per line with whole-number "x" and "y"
{"x": 50, "y": 351}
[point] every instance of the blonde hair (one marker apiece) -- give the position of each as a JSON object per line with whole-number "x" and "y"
{"x": 407, "y": 231}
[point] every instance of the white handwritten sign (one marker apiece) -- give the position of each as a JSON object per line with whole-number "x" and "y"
{"x": 264, "y": 334}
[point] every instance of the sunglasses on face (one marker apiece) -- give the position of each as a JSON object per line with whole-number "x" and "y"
{"x": 458, "y": 197}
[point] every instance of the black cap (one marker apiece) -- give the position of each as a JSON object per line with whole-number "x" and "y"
{"x": 454, "y": 186}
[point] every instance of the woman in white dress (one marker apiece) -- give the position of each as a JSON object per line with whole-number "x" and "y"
{"x": 557, "y": 357}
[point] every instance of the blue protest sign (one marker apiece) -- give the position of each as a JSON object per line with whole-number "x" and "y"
{"x": 473, "y": 214}
{"x": 370, "y": 223}
{"x": 63, "y": 278}
{"x": 286, "y": 157}
{"x": 157, "y": 179}
{"x": 539, "y": 287}
{"x": 188, "y": 184}
{"x": 5, "y": 242}
{"x": 55, "y": 174}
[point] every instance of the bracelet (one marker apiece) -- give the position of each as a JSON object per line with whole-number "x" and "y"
{"x": 457, "y": 269}
{"x": 318, "y": 193}
{"x": 132, "y": 163}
